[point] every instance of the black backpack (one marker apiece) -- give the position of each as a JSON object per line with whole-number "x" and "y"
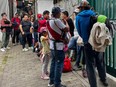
{"x": 93, "y": 20}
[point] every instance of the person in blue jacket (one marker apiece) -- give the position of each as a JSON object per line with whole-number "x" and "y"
{"x": 92, "y": 57}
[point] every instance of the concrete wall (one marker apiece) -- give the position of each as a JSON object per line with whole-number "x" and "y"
{"x": 44, "y": 5}
{"x": 68, "y": 5}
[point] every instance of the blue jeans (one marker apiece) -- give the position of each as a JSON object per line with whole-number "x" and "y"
{"x": 80, "y": 54}
{"x": 73, "y": 43}
{"x": 56, "y": 66}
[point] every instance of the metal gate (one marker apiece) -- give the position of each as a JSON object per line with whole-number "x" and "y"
{"x": 108, "y": 8}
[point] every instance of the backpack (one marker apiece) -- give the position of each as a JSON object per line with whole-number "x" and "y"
{"x": 102, "y": 19}
{"x": 67, "y": 65}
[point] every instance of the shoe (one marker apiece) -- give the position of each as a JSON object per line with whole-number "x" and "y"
{"x": 14, "y": 44}
{"x": 45, "y": 77}
{"x": 17, "y": 43}
{"x": 50, "y": 85}
{"x": 84, "y": 73}
{"x": 8, "y": 48}
{"x": 33, "y": 49}
{"x": 3, "y": 49}
{"x": 104, "y": 83}
{"x": 47, "y": 73}
{"x": 25, "y": 49}
{"x": 76, "y": 68}
{"x": 30, "y": 48}
{"x": 61, "y": 86}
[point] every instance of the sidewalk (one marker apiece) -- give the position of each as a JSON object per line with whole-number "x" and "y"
{"x": 23, "y": 69}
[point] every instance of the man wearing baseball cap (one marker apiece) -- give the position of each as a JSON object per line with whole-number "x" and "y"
{"x": 91, "y": 56}
{"x": 55, "y": 27}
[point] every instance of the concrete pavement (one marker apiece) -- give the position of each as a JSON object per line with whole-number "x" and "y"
{"x": 23, "y": 69}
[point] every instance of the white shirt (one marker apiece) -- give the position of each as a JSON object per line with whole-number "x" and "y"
{"x": 60, "y": 24}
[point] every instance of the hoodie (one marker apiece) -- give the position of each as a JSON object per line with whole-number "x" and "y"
{"x": 83, "y": 24}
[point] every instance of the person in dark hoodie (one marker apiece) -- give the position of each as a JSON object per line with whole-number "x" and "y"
{"x": 84, "y": 27}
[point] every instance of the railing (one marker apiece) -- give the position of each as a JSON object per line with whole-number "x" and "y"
{"x": 108, "y": 8}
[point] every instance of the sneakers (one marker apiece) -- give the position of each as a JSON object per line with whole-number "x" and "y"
{"x": 104, "y": 83}
{"x": 30, "y": 48}
{"x": 45, "y": 77}
{"x": 14, "y": 44}
{"x": 25, "y": 49}
{"x": 60, "y": 86}
{"x": 50, "y": 85}
{"x": 76, "y": 68}
{"x": 8, "y": 48}
{"x": 84, "y": 73}
{"x": 3, "y": 49}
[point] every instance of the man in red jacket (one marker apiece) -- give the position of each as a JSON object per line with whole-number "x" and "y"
{"x": 15, "y": 23}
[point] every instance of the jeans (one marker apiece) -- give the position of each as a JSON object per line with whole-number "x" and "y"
{"x": 15, "y": 36}
{"x": 5, "y": 39}
{"x": 80, "y": 54}
{"x": 56, "y": 66}
{"x": 72, "y": 43}
{"x": 92, "y": 58}
{"x": 27, "y": 37}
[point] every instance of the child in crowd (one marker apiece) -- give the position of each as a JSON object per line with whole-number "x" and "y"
{"x": 45, "y": 52}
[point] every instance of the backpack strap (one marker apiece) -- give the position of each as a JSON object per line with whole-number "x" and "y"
{"x": 54, "y": 34}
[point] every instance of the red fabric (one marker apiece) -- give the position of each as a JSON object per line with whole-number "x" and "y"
{"x": 65, "y": 48}
{"x": 67, "y": 65}
{"x": 42, "y": 23}
{"x": 54, "y": 34}
{"x": 39, "y": 16}
{"x": 18, "y": 21}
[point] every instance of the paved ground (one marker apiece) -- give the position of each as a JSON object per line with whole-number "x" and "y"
{"x": 18, "y": 69}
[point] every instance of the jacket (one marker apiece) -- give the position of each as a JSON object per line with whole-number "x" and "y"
{"x": 83, "y": 24}
{"x": 100, "y": 37}
{"x": 6, "y": 26}
{"x": 18, "y": 21}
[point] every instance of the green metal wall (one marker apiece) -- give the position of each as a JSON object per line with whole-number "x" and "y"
{"x": 108, "y": 8}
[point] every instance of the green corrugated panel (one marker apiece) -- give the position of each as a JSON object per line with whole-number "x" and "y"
{"x": 111, "y": 55}
{"x": 114, "y": 2}
{"x": 115, "y": 52}
{"x": 107, "y": 56}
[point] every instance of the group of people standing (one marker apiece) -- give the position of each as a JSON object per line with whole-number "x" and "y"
{"x": 47, "y": 36}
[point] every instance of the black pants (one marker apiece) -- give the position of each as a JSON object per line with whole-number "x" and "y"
{"x": 15, "y": 37}
{"x": 27, "y": 38}
{"x": 93, "y": 59}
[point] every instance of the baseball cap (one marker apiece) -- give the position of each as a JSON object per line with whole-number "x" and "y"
{"x": 39, "y": 15}
{"x": 83, "y": 3}
{"x": 43, "y": 29}
{"x": 56, "y": 10}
